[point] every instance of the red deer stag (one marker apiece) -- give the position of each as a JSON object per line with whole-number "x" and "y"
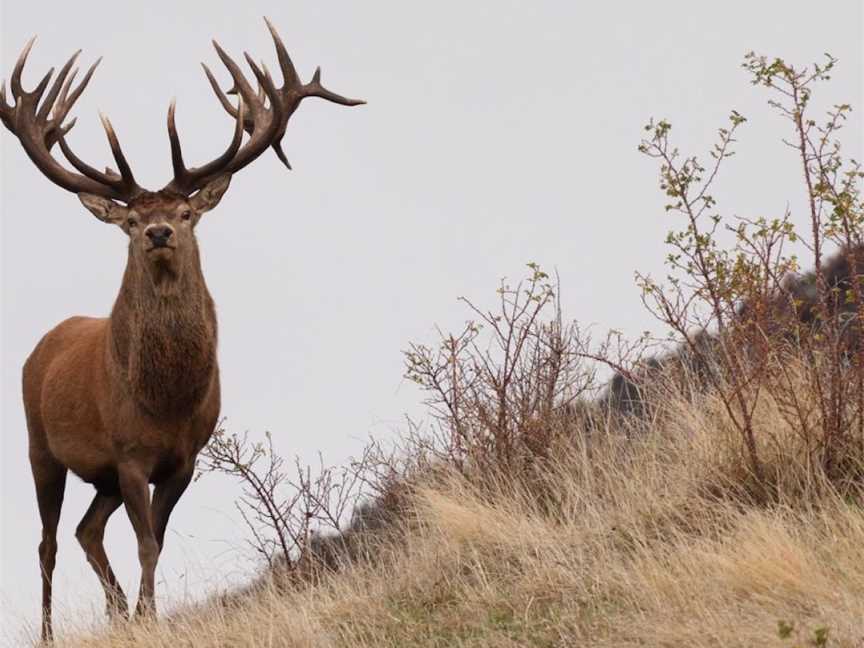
{"x": 130, "y": 400}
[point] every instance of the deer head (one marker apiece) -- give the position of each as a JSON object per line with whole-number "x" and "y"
{"x": 160, "y": 224}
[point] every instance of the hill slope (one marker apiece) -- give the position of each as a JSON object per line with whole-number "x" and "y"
{"x": 648, "y": 542}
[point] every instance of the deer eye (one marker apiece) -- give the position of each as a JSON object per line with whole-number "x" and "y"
{"x": 131, "y": 222}
{"x": 186, "y": 215}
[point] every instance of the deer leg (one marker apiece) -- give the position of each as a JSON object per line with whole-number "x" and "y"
{"x": 90, "y": 532}
{"x": 165, "y": 497}
{"x": 50, "y": 479}
{"x": 135, "y": 489}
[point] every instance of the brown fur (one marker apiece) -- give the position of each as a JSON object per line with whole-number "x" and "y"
{"x": 128, "y": 400}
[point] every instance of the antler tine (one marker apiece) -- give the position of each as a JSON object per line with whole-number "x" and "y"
{"x": 174, "y": 139}
{"x": 38, "y": 128}
{"x": 226, "y": 103}
{"x": 241, "y": 85}
{"x": 117, "y": 152}
{"x": 5, "y": 109}
{"x": 45, "y": 110}
{"x": 64, "y": 91}
{"x": 40, "y": 88}
{"x": 265, "y": 83}
{"x": 184, "y": 179}
{"x": 216, "y": 165}
{"x": 315, "y": 89}
{"x": 277, "y": 147}
{"x": 109, "y": 177}
{"x": 92, "y": 173}
{"x": 64, "y": 104}
{"x": 277, "y": 142}
{"x": 289, "y": 72}
{"x": 68, "y": 103}
{"x": 260, "y": 93}
{"x": 58, "y": 114}
{"x": 68, "y": 127}
{"x": 15, "y": 81}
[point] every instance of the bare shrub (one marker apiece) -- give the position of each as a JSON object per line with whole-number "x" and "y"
{"x": 288, "y": 509}
{"x": 498, "y": 390}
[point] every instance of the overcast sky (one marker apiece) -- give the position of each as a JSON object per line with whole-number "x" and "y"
{"x": 496, "y": 133}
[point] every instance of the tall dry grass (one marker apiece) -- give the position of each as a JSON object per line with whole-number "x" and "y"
{"x": 655, "y": 540}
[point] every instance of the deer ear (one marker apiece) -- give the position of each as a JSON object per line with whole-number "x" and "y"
{"x": 211, "y": 194}
{"x": 104, "y": 209}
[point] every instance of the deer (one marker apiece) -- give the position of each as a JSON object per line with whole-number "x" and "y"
{"x": 128, "y": 401}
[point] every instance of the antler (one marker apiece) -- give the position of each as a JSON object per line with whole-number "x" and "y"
{"x": 263, "y": 114}
{"x": 40, "y": 128}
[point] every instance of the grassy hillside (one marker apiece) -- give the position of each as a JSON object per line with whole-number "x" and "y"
{"x": 653, "y": 541}
{"x": 711, "y": 495}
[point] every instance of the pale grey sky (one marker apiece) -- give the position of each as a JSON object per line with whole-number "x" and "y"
{"x": 496, "y": 133}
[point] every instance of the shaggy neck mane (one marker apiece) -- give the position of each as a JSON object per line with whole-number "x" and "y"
{"x": 163, "y": 336}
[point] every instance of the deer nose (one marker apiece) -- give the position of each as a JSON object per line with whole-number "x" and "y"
{"x": 159, "y": 234}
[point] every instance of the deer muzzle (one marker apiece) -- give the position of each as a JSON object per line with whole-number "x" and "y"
{"x": 160, "y": 236}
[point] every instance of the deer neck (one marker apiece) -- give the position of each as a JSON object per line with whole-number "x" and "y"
{"x": 163, "y": 337}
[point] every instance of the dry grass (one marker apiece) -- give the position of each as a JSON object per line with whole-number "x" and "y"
{"x": 646, "y": 542}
